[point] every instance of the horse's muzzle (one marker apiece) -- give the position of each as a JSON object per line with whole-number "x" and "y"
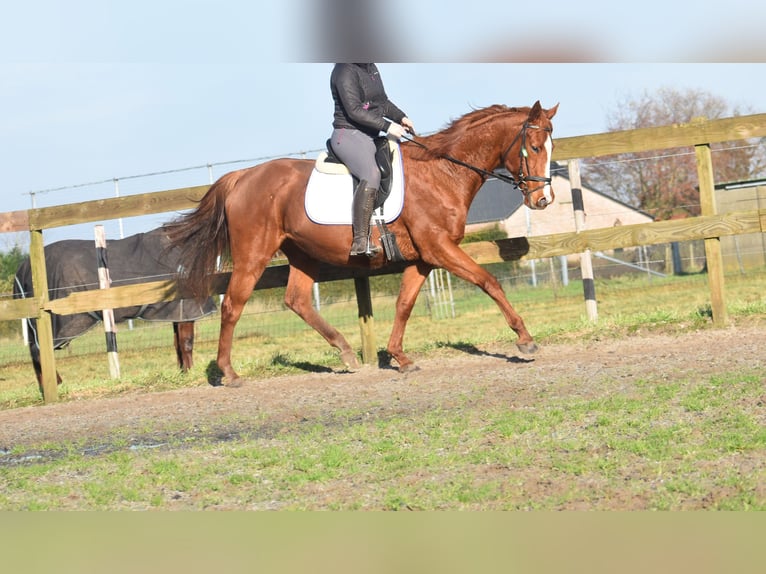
{"x": 541, "y": 203}
{"x": 545, "y": 199}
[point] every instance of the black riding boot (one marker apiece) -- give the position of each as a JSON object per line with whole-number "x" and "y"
{"x": 361, "y": 211}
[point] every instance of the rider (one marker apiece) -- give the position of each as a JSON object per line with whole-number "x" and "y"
{"x": 362, "y": 111}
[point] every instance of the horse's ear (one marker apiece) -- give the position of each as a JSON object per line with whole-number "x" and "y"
{"x": 552, "y": 112}
{"x": 536, "y": 109}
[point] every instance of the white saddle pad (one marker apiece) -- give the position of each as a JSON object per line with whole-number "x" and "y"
{"x": 329, "y": 195}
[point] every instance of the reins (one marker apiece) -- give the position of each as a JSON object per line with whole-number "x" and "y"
{"x": 509, "y": 179}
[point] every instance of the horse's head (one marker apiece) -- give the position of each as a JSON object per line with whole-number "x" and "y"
{"x": 531, "y": 166}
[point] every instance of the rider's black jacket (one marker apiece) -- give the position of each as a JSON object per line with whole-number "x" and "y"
{"x": 360, "y": 100}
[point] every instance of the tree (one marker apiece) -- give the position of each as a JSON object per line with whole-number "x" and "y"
{"x": 664, "y": 183}
{"x": 9, "y": 262}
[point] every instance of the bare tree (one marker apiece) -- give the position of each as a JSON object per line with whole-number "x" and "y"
{"x": 664, "y": 183}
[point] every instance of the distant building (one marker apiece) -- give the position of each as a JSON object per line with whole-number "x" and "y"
{"x": 498, "y": 203}
{"x": 748, "y": 250}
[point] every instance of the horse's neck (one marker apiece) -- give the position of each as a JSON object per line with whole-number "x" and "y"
{"x": 489, "y": 145}
{"x": 485, "y": 151}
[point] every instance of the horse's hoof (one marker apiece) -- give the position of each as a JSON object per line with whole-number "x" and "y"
{"x": 527, "y": 348}
{"x": 409, "y": 368}
{"x": 234, "y": 383}
{"x": 349, "y": 359}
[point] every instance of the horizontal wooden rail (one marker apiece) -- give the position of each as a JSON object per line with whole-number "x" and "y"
{"x": 13, "y": 221}
{"x": 160, "y": 291}
{"x": 113, "y": 208}
{"x": 19, "y": 308}
{"x": 690, "y": 229}
{"x": 665, "y": 137}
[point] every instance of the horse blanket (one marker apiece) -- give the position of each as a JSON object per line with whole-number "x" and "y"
{"x": 72, "y": 265}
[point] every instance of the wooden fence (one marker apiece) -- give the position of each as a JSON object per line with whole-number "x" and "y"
{"x": 709, "y": 227}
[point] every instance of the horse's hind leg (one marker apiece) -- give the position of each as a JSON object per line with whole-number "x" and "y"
{"x": 183, "y": 336}
{"x": 241, "y": 285}
{"x": 303, "y": 272}
{"x": 413, "y": 278}
{"x": 34, "y": 352}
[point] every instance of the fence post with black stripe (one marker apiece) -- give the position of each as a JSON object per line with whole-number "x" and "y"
{"x": 586, "y": 264}
{"x": 104, "y": 282}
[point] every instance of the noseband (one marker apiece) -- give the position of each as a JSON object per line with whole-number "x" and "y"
{"x": 519, "y": 182}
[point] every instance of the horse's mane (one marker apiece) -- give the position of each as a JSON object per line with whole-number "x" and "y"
{"x": 441, "y": 143}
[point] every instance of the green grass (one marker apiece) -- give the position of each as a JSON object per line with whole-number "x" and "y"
{"x": 685, "y": 445}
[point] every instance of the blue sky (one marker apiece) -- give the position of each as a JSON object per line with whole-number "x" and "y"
{"x": 94, "y": 90}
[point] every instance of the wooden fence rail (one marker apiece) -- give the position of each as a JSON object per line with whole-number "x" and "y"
{"x": 708, "y": 227}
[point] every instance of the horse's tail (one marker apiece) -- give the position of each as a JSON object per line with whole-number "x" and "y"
{"x": 200, "y": 237}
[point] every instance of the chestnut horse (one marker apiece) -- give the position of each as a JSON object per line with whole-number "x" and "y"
{"x": 254, "y": 212}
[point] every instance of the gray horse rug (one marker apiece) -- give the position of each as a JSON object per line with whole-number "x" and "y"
{"x": 72, "y": 265}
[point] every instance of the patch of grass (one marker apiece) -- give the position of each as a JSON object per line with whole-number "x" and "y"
{"x": 749, "y": 308}
{"x": 639, "y": 446}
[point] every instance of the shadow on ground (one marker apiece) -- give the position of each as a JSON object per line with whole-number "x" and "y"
{"x": 470, "y": 349}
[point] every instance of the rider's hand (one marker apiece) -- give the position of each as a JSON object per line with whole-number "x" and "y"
{"x": 395, "y": 130}
{"x": 408, "y": 125}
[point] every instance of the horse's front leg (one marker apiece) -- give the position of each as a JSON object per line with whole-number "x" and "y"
{"x": 458, "y": 262}
{"x": 413, "y": 278}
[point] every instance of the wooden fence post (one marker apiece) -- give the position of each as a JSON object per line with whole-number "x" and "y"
{"x": 712, "y": 245}
{"x": 44, "y": 325}
{"x": 104, "y": 282}
{"x": 366, "y": 324}
{"x": 586, "y": 263}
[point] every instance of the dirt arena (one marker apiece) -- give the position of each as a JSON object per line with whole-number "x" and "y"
{"x": 498, "y": 373}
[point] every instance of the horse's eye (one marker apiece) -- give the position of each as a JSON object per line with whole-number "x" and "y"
{"x": 535, "y": 149}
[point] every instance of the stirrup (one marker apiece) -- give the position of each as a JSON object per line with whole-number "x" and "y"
{"x": 371, "y": 251}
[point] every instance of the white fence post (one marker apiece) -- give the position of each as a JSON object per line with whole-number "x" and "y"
{"x": 586, "y": 263}
{"x": 104, "y": 281}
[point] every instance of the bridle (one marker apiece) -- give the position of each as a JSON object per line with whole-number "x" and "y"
{"x": 519, "y": 182}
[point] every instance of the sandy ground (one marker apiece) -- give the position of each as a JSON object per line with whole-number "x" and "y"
{"x": 495, "y": 374}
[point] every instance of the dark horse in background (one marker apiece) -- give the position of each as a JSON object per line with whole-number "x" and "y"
{"x": 252, "y": 213}
{"x": 72, "y": 265}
